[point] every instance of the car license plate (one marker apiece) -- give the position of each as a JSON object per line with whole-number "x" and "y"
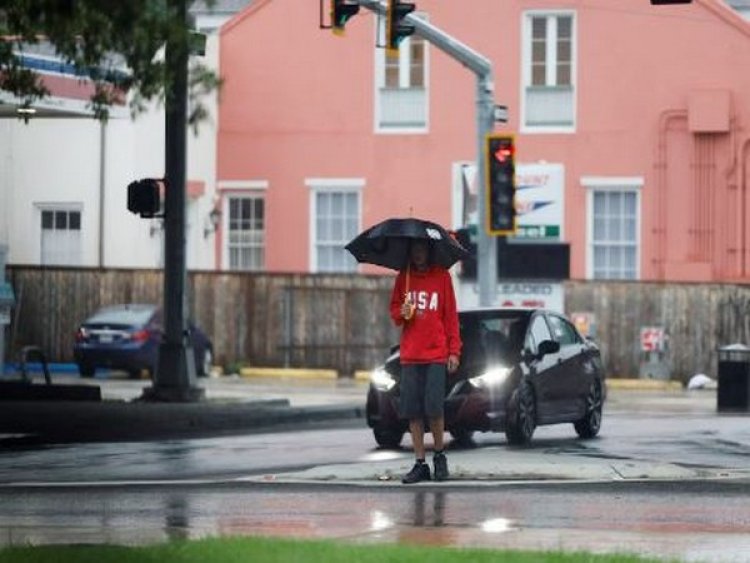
{"x": 105, "y": 338}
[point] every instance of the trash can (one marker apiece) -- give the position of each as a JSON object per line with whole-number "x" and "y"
{"x": 734, "y": 378}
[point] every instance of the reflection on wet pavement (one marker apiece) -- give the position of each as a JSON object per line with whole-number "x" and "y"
{"x": 690, "y": 525}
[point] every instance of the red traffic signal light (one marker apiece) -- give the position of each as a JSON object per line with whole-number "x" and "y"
{"x": 395, "y": 29}
{"x": 341, "y": 12}
{"x": 504, "y": 153}
{"x": 500, "y": 153}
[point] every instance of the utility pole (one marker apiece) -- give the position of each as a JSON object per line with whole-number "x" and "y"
{"x": 482, "y": 68}
{"x": 175, "y": 377}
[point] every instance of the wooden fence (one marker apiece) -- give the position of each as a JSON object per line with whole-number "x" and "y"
{"x": 697, "y": 319}
{"x": 332, "y": 321}
{"x": 341, "y": 321}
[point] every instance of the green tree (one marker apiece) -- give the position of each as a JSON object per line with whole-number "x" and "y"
{"x": 115, "y": 43}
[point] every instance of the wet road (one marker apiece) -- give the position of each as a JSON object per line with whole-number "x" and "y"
{"x": 679, "y": 429}
{"x": 690, "y": 522}
{"x": 136, "y": 493}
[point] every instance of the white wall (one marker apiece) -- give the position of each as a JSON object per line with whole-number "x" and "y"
{"x": 48, "y": 161}
{"x": 58, "y": 161}
{"x": 201, "y": 160}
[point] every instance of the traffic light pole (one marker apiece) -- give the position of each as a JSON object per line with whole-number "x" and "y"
{"x": 482, "y": 68}
{"x": 175, "y": 377}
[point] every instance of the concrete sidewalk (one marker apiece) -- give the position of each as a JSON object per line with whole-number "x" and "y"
{"x": 233, "y": 405}
{"x": 491, "y": 466}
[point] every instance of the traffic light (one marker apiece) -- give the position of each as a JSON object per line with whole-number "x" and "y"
{"x": 395, "y": 28}
{"x": 144, "y": 198}
{"x": 341, "y": 12}
{"x": 501, "y": 184}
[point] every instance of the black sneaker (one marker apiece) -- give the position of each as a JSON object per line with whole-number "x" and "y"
{"x": 441, "y": 467}
{"x": 420, "y": 472}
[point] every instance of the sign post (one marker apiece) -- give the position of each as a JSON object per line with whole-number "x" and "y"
{"x": 654, "y": 347}
{"x": 481, "y": 66}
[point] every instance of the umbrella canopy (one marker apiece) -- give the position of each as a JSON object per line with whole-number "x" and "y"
{"x": 387, "y": 244}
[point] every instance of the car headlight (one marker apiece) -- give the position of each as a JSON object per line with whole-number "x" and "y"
{"x": 491, "y": 378}
{"x": 382, "y": 380}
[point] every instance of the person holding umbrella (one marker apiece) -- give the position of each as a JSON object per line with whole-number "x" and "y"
{"x": 424, "y": 305}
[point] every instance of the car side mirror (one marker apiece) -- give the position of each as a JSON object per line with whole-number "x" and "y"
{"x": 548, "y": 347}
{"x": 527, "y": 355}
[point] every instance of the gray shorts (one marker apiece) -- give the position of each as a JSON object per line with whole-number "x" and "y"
{"x": 422, "y": 390}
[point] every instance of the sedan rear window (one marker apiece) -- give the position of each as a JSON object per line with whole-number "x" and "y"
{"x": 122, "y": 316}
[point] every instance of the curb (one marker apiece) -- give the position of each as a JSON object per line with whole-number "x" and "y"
{"x": 299, "y": 373}
{"x": 362, "y": 375}
{"x": 633, "y": 384}
{"x": 65, "y": 421}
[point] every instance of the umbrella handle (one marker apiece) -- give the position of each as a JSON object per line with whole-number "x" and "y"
{"x": 407, "y": 298}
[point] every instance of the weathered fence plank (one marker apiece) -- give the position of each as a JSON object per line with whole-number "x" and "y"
{"x": 342, "y": 322}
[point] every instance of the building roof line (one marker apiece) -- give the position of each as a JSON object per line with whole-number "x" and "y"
{"x": 243, "y": 14}
{"x": 727, "y": 14}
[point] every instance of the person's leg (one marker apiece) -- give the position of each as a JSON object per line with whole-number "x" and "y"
{"x": 416, "y": 427}
{"x": 412, "y": 407}
{"x": 437, "y": 428}
{"x": 434, "y": 401}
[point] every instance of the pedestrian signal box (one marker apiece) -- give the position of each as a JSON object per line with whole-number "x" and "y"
{"x": 144, "y": 198}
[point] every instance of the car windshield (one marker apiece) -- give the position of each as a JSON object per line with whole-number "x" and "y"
{"x": 493, "y": 335}
{"x": 135, "y": 315}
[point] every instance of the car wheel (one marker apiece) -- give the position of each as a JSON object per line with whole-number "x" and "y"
{"x": 589, "y": 425}
{"x": 388, "y": 438}
{"x": 522, "y": 416}
{"x": 204, "y": 369}
{"x": 86, "y": 370}
{"x": 463, "y": 437}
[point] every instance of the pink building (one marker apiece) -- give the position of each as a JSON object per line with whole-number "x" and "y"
{"x": 631, "y": 124}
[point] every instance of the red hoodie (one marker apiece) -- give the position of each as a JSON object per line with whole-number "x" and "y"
{"x": 431, "y": 335}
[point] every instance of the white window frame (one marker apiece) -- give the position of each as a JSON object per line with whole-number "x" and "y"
{"x": 526, "y": 18}
{"x": 404, "y": 53}
{"x": 238, "y": 189}
{"x": 330, "y": 185}
{"x": 621, "y": 184}
{"x": 53, "y": 207}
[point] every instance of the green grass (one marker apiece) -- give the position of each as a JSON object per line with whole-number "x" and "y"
{"x": 267, "y": 550}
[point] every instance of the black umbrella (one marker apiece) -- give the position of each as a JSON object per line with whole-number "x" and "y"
{"x": 387, "y": 244}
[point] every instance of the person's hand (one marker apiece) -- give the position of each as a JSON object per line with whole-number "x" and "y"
{"x": 452, "y": 363}
{"x": 407, "y": 310}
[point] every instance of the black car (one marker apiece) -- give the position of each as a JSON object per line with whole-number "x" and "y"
{"x": 127, "y": 337}
{"x": 520, "y": 368}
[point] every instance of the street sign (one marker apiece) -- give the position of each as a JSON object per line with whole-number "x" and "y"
{"x": 652, "y": 338}
{"x": 540, "y": 201}
{"x": 519, "y": 293}
{"x": 585, "y": 322}
{"x": 500, "y": 113}
{"x": 7, "y": 300}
